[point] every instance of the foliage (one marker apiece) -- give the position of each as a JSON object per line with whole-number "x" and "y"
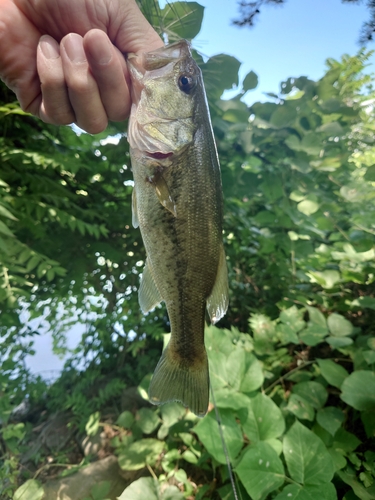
{"x": 292, "y": 366}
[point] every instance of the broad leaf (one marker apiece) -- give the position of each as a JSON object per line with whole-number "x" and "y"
{"x": 306, "y": 456}
{"x": 334, "y": 373}
{"x": 148, "y": 488}
{"x": 30, "y": 490}
{"x": 264, "y": 420}
{"x": 339, "y": 326}
{"x": 208, "y": 433}
{"x": 358, "y": 390}
{"x": 297, "y": 492}
{"x": 138, "y": 454}
{"x": 313, "y": 392}
{"x": 330, "y": 418}
{"x": 260, "y": 470}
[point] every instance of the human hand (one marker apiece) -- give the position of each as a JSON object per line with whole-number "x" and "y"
{"x": 64, "y": 58}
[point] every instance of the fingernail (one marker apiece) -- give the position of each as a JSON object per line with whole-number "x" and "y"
{"x": 102, "y": 52}
{"x": 73, "y": 45}
{"x": 49, "y": 47}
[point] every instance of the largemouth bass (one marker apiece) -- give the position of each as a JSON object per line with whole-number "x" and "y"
{"x": 177, "y": 203}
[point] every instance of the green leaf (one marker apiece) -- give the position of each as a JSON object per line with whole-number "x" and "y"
{"x": 190, "y": 457}
{"x": 293, "y": 318}
{"x": 327, "y": 279}
{"x": 345, "y": 441}
{"x": 171, "y": 413}
{"x": 220, "y": 73}
{"x": 339, "y": 326}
{"x": 313, "y": 335}
{"x": 235, "y": 366}
{"x": 358, "y": 488}
{"x": 283, "y": 116}
{"x": 337, "y": 342}
{"x": 5, "y": 230}
{"x": 5, "y": 213}
{"x": 125, "y": 419}
{"x": 330, "y": 418}
{"x": 370, "y": 173}
{"x": 286, "y": 335}
{"x": 101, "y": 490}
{"x": 140, "y": 453}
{"x": 339, "y": 461}
{"x": 250, "y": 81}
{"x": 316, "y": 317}
{"x": 364, "y": 302}
{"x": 208, "y": 433}
{"x": 334, "y": 373}
{"x": 308, "y": 206}
{"x": 183, "y": 19}
{"x": 300, "y": 407}
{"x": 358, "y": 390}
{"x": 149, "y": 488}
{"x": 368, "y": 419}
{"x": 312, "y": 392}
{"x": 147, "y": 420}
{"x": 264, "y": 420}
{"x": 298, "y": 492}
{"x": 369, "y": 356}
{"x": 30, "y": 490}
{"x": 307, "y": 458}
{"x": 92, "y": 425}
{"x": 260, "y": 470}
{"x": 229, "y": 398}
{"x": 254, "y": 377}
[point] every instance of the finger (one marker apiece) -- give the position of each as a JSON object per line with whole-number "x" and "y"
{"x": 55, "y": 106}
{"x": 108, "y": 68}
{"x": 83, "y": 91}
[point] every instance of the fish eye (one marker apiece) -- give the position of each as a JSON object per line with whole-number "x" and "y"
{"x": 186, "y": 83}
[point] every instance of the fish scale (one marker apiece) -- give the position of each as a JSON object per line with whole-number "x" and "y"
{"x": 177, "y": 203}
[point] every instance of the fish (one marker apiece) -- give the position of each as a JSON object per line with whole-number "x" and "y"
{"x": 178, "y": 205}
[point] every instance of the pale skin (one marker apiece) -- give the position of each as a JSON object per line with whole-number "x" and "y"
{"x": 64, "y": 59}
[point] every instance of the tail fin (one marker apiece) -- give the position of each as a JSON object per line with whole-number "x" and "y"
{"x": 173, "y": 381}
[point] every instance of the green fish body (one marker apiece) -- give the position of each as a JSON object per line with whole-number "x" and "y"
{"x": 177, "y": 203}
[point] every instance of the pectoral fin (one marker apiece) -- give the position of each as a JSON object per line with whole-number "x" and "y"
{"x": 163, "y": 193}
{"x": 148, "y": 294}
{"x": 217, "y": 302}
{"x": 134, "y": 210}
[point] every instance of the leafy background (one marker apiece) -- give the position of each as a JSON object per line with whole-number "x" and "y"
{"x": 292, "y": 364}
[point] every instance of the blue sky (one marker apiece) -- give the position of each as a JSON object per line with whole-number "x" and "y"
{"x": 287, "y": 41}
{"x": 291, "y": 40}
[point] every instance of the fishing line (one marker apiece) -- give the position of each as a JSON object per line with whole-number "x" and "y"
{"x": 226, "y": 453}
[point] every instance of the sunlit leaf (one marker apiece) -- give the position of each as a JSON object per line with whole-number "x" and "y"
{"x": 306, "y": 456}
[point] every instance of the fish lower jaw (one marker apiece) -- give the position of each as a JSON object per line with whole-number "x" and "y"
{"x": 158, "y": 155}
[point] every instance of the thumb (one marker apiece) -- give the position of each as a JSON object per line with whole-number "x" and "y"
{"x": 130, "y": 31}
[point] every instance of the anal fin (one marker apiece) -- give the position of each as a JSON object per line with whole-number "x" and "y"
{"x": 148, "y": 294}
{"x": 217, "y": 302}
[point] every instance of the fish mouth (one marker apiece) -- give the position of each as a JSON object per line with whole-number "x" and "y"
{"x": 158, "y": 155}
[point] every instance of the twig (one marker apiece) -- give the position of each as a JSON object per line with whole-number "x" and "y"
{"x": 283, "y": 377}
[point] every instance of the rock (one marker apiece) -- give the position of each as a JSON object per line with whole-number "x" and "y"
{"x": 79, "y": 485}
{"x": 92, "y": 444}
